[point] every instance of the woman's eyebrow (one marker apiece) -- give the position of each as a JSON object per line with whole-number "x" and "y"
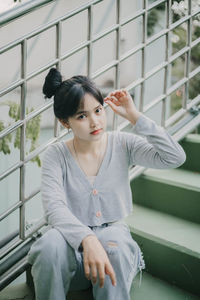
{"x": 85, "y": 111}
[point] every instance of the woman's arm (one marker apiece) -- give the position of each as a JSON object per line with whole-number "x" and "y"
{"x": 54, "y": 201}
{"x": 157, "y": 148}
{"x": 60, "y": 217}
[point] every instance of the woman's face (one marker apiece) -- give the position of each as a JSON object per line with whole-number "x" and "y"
{"x": 89, "y": 123}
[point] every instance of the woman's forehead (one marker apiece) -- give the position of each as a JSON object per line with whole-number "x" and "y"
{"x": 88, "y": 102}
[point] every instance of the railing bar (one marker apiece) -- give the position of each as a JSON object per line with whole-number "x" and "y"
{"x": 156, "y": 3}
{"x": 21, "y": 10}
{"x": 194, "y": 72}
{"x": 154, "y": 102}
{"x": 58, "y": 65}
{"x": 48, "y": 25}
{"x": 156, "y": 69}
{"x": 178, "y": 54}
{"x": 18, "y": 204}
{"x": 144, "y": 40}
{"x": 104, "y": 69}
{"x": 105, "y": 32}
{"x": 193, "y": 102}
{"x": 31, "y": 195}
{"x": 11, "y": 128}
{"x": 10, "y": 248}
{"x": 11, "y": 87}
{"x": 135, "y": 83}
{"x": 187, "y": 128}
{"x": 41, "y": 223}
{"x": 117, "y": 56}
{"x": 181, "y": 112}
{"x": 139, "y": 13}
{"x": 22, "y": 138}
{"x": 188, "y": 56}
{"x": 31, "y": 155}
{"x": 176, "y": 85}
{"x": 19, "y": 123}
{"x": 10, "y": 170}
{"x": 53, "y": 23}
{"x": 131, "y": 52}
{"x": 89, "y": 38}
{"x": 195, "y": 42}
{"x": 10, "y": 210}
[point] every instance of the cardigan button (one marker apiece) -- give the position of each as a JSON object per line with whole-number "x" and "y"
{"x": 95, "y": 192}
{"x": 98, "y": 214}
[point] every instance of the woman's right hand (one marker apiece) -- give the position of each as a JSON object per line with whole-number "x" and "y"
{"x": 96, "y": 260}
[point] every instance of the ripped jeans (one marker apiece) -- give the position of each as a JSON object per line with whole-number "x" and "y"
{"x": 57, "y": 268}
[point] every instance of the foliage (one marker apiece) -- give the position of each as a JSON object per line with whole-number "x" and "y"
{"x": 179, "y": 40}
{"x": 32, "y": 131}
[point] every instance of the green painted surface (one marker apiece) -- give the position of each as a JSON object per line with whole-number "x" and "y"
{"x": 151, "y": 288}
{"x": 175, "y": 191}
{"x": 184, "y": 235}
{"x": 171, "y": 246}
{"x": 191, "y": 146}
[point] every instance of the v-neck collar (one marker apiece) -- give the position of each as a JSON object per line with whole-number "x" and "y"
{"x": 78, "y": 168}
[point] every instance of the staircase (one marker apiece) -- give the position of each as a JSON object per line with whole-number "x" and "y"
{"x": 166, "y": 224}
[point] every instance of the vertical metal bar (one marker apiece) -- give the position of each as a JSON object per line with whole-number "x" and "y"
{"x": 23, "y": 137}
{"x": 58, "y": 66}
{"x": 167, "y": 55}
{"x": 117, "y": 67}
{"x": 89, "y": 48}
{"x": 188, "y": 55}
{"x": 144, "y": 39}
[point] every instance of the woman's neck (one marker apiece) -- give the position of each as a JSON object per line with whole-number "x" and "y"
{"x": 86, "y": 147}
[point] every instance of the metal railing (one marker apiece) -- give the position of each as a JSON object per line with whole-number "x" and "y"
{"x": 88, "y": 44}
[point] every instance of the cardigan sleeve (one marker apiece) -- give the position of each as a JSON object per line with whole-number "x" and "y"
{"x": 54, "y": 201}
{"x": 155, "y": 148}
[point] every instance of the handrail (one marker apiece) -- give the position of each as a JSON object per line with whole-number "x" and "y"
{"x": 21, "y": 10}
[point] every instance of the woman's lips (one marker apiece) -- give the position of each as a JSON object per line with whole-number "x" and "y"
{"x": 96, "y": 131}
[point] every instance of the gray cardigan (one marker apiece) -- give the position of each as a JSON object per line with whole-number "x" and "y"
{"x": 71, "y": 203}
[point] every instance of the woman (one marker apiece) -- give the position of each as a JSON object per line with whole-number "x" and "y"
{"x": 86, "y": 192}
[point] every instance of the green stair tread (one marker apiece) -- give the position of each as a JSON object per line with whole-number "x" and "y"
{"x": 172, "y": 231}
{"x": 157, "y": 289}
{"x": 194, "y": 138}
{"x": 180, "y": 177}
{"x": 151, "y": 288}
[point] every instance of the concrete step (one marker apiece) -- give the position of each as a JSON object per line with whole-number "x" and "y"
{"x": 171, "y": 246}
{"x": 173, "y": 191}
{"x": 191, "y": 145}
{"x": 151, "y": 288}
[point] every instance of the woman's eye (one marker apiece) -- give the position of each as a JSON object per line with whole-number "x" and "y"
{"x": 81, "y": 117}
{"x": 99, "y": 109}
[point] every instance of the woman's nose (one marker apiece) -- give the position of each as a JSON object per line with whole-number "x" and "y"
{"x": 93, "y": 121}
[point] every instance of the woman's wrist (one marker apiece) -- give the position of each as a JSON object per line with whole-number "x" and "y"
{"x": 134, "y": 116}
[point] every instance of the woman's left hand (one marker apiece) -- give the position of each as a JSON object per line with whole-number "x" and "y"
{"x": 122, "y": 104}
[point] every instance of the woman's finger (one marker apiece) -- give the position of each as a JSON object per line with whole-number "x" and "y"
{"x": 87, "y": 270}
{"x": 109, "y": 271}
{"x": 101, "y": 271}
{"x": 111, "y": 104}
{"x": 93, "y": 273}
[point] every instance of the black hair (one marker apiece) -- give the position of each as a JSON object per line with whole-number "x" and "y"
{"x": 69, "y": 94}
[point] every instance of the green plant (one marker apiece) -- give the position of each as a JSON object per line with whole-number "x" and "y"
{"x": 32, "y": 131}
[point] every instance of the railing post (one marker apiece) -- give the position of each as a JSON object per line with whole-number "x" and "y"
{"x": 23, "y": 136}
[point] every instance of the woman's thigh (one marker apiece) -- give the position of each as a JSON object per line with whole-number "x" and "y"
{"x": 123, "y": 251}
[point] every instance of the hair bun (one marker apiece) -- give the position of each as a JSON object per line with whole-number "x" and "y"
{"x": 52, "y": 82}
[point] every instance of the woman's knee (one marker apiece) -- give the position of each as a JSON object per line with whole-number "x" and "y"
{"x": 50, "y": 248}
